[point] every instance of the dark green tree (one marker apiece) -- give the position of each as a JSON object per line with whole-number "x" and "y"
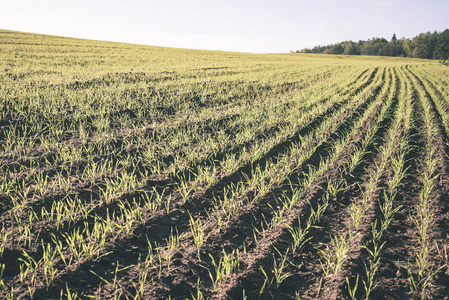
{"x": 441, "y": 50}
{"x": 424, "y": 45}
{"x": 350, "y": 48}
{"x": 393, "y": 38}
{"x": 337, "y": 49}
{"x": 373, "y": 47}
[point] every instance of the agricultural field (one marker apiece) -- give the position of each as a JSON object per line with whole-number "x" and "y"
{"x": 137, "y": 172}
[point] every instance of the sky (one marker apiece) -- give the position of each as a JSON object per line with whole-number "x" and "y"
{"x": 257, "y": 26}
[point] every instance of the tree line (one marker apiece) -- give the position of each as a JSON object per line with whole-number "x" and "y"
{"x": 430, "y": 45}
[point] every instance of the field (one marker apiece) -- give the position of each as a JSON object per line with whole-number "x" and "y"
{"x": 137, "y": 172}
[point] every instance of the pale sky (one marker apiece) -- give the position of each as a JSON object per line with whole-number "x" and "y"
{"x": 259, "y": 26}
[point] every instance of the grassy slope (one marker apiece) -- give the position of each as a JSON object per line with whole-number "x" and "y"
{"x": 81, "y": 117}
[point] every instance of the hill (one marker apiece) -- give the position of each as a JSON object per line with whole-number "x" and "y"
{"x": 140, "y": 172}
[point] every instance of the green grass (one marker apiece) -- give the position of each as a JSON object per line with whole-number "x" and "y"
{"x": 189, "y": 174}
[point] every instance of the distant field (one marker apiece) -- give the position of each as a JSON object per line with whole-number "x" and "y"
{"x": 137, "y": 172}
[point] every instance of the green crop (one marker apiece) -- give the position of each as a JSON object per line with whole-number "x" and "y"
{"x": 159, "y": 173}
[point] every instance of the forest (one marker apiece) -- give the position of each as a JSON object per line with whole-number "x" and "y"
{"x": 425, "y": 45}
